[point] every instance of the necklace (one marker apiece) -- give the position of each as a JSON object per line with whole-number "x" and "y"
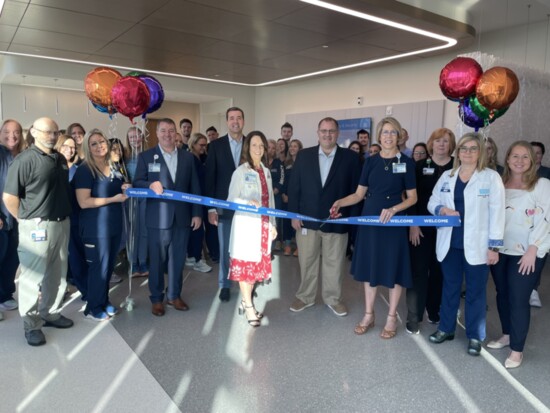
{"x": 387, "y": 165}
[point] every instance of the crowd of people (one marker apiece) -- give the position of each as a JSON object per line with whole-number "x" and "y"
{"x": 65, "y": 217}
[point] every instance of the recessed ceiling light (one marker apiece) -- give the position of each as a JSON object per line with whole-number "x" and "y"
{"x": 325, "y": 46}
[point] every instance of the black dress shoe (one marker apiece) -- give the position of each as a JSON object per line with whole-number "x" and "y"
{"x": 61, "y": 322}
{"x": 474, "y": 347}
{"x": 439, "y": 337}
{"x": 412, "y": 327}
{"x": 225, "y": 294}
{"x": 35, "y": 337}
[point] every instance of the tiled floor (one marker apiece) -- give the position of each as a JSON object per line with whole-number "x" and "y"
{"x": 209, "y": 360}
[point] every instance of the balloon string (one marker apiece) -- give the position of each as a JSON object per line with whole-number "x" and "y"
{"x": 112, "y": 131}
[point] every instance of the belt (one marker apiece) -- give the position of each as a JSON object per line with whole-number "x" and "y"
{"x": 54, "y": 219}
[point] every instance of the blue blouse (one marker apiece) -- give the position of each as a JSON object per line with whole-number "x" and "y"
{"x": 457, "y": 236}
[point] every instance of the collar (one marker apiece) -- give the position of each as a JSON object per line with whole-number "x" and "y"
{"x": 163, "y": 152}
{"x": 331, "y": 154}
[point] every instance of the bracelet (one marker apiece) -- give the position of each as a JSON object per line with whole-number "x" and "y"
{"x": 494, "y": 249}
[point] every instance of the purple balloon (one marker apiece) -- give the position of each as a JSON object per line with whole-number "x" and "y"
{"x": 156, "y": 91}
{"x": 469, "y": 117}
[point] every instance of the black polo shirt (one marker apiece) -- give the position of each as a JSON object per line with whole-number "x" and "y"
{"x": 41, "y": 182}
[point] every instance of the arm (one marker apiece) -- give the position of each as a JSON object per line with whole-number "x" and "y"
{"x": 351, "y": 199}
{"x": 85, "y": 199}
{"x": 388, "y": 213}
{"x": 497, "y": 211}
{"x": 12, "y": 203}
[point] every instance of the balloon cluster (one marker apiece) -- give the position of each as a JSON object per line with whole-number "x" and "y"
{"x": 132, "y": 95}
{"x": 483, "y": 96}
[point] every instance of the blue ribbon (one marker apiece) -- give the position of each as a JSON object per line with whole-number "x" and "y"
{"x": 396, "y": 221}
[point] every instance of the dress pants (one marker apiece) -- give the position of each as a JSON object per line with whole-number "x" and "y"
{"x": 167, "y": 249}
{"x": 9, "y": 261}
{"x": 43, "y": 271}
{"x": 455, "y": 268}
{"x": 101, "y": 256}
{"x": 224, "y": 233}
{"x": 513, "y": 292}
{"x": 194, "y": 246}
{"x": 78, "y": 267}
{"x": 326, "y": 251}
{"x": 137, "y": 232}
{"x": 427, "y": 279}
{"x": 211, "y": 238}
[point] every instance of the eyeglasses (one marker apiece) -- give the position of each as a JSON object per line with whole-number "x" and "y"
{"x": 70, "y": 148}
{"x": 328, "y": 131}
{"x": 419, "y": 153}
{"x": 388, "y": 132}
{"x": 94, "y": 144}
{"x": 54, "y": 133}
{"x": 470, "y": 149}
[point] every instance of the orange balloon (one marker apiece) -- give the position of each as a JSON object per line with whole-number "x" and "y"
{"x": 497, "y": 88}
{"x": 98, "y": 85}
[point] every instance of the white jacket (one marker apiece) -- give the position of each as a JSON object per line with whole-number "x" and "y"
{"x": 246, "y": 229}
{"x": 483, "y": 209}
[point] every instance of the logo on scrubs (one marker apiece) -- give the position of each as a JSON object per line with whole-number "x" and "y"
{"x": 484, "y": 192}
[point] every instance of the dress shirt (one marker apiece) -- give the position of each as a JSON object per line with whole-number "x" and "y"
{"x": 236, "y": 147}
{"x": 171, "y": 159}
{"x": 325, "y": 162}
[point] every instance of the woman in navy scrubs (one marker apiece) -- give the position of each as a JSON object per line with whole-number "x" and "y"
{"x": 100, "y": 192}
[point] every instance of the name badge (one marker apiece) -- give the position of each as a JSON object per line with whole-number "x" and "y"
{"x": 428, "y": 171}
{"x": 399, "y": 168}
{"x": 154, "y": 167}
{"x": 39, "y": 235}
{"x": 250, "y": 178}
{"x": 445, "y": 187}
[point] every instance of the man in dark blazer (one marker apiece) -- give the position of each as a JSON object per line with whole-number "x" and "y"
{"x": 168, "y": 222}
{"x": 321, "y": 175}
{"x": 224, "y": 156}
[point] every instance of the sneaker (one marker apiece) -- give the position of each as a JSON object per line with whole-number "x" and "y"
{"x": 8, "y": 305}
{"x": 534, "y": 300}
{"x": 115, "y": 279}
{"x": 339, "y": 309}
{"x": 201, "y": 266}
{"x": 61, "y": 322}
{"x": 35, "y": 338}
{"x": 190, "y": 261}
{"x": 412, "y": 328}
{"x": 111, "y": 310}
{"x": 298, "y": 305}
{"x": 102, "y": 316}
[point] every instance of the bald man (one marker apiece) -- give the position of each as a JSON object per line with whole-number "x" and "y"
{"x": 36, "y": 193}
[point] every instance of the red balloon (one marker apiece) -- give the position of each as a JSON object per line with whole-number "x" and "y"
{"x": 99, "y": 83}
{"x": 130, "y": 97}
{"x": 459, "y": 77}
{"x": 497, "y": 88}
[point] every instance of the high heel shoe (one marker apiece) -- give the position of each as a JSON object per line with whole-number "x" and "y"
{"x": 253, "y": 322}
{"x": 361, "y": 329}
{"x": 387, "y": 334}
{"x": 258, "y": 314}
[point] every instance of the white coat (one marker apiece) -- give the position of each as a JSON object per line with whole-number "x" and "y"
{"x": 246, "y": 229}
{"x": 483, "y": 209}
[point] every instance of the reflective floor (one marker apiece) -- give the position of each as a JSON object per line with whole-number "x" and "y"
{"x": 209, "y": 360}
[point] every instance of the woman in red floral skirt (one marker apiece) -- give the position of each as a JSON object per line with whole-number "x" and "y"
{"x": 251, "y": 234}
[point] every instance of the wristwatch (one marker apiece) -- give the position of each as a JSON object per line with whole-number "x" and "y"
{"x": 494, "y": 249}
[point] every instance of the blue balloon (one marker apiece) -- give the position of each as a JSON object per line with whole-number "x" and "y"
{"x": 156, "y": 91}
{"x": 469, "y": 117}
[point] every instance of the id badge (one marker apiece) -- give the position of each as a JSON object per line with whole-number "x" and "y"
{"x": 154, "y": 167}
{"x": 399, "y": 168}
{"x": 428, "y": 171}
{"x": 304, "y": 231}
{"x": 39, "y": 235}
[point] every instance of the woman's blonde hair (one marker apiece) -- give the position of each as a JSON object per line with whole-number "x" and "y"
{"x": 530, "y": 177}
{"x": 128, "y": 151}
{"x": 21, "y": 144}
{"x": 482, "y": 158}
{"x": 61, "y": 141}
{"x": 289, "y": 161}
{"x": 392, "y": 121}
{"x": 195, "y": 137}
{"x": 90, "y": 161}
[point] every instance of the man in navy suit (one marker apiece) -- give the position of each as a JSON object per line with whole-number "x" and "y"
{"x": 168, "y": 222}
{"x": 321, "y": 175}
{"x": 224, "y": 156}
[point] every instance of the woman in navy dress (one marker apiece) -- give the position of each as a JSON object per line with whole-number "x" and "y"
{"x": 100, "y": 192}
{"x": 382, "y": 256}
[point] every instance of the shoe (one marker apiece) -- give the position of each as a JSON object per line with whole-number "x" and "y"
{"x": 497, "y": 344}
{"x": 287, "y": 251}
{"x": 111, "y": 310}
{"x": 101, "y": 316}
{"x": 201, "y": 266}
{"x": 295, "y": 253}
{"x": 8, "y": 305}
{"x": 190, "y": 261}
{"x": 512, "y": 364}
{"x": 178, "y": 304}
{"x": 298, "y": 305}
{"x": 225, "y": 294}
{"x": 258, "y": 314}
{"x": 433, "y": 320}
{"x": 35, "y": 337}
{"x": 361, "y": 329}
{"x": 339, "y": 309}
{"x": 157, "y": 309}
{"x": 412, "y": 328}
{"x": 115, "y": 279}
{"x": 388, "y": 334}
{"x": 474, "y": 347}
{"x": 439, "y": 337}
{"x": 534, "y": 300}
{"x": 61, "y": 322}
{"x": 253, "y": 322}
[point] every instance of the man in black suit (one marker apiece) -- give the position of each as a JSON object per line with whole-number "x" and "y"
{"x": 224, "y": 156}
{"x": 321, "y": 175}
{"x": 168, "y": 222}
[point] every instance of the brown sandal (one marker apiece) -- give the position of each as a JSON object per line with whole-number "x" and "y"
{"x": 361, "y": 329}
{"x": 388, "y": 334}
